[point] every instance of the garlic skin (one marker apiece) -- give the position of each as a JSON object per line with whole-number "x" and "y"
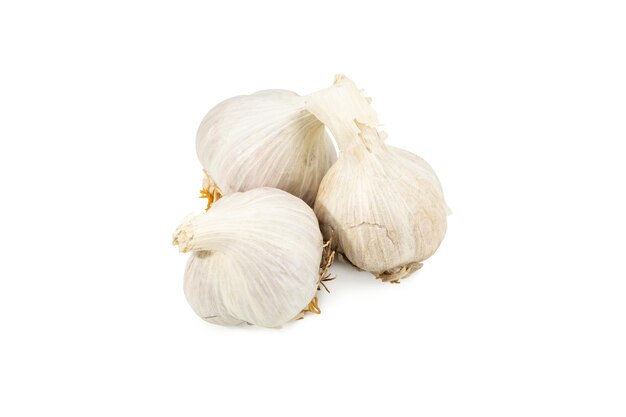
{"x": 266, "y": 139}
{"x": 384, "y": 205}
{"x": 256, "y": 258}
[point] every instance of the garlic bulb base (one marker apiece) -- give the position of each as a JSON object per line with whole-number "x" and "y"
{"x": 399, "y": 273}
{"x": 313, "y": 307}
{"x": 328, "y": 256}
{"x": 210, "y": 191}
{"x": 393, "y": 275}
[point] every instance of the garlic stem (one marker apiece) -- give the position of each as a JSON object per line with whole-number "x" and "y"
{"x": 348, "y": 114}
{"x": 201, "y": 233}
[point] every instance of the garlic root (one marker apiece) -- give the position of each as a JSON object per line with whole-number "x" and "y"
{"x": 210, "y": 191}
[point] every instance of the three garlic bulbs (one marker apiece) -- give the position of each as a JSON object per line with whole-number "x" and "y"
{"x": 257, "y": 252}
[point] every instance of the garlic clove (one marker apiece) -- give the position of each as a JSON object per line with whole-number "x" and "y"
{"x": 255, "y": 258}
{"x": 266, "y": 139}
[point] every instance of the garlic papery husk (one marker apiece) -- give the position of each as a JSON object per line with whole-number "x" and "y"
{"x": 266, "y": 139}
{"x": 384, "y": 205}
{"x": 255, "y": 258}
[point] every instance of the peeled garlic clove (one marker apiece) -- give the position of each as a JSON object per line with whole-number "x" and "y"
{"x": 266, "y": 139}
{"x": 256, "y": 258}
{"x": 384, "y": 205}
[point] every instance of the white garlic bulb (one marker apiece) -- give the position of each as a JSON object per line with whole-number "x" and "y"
{"x": 256, "y": 258}
{"x": 384, "y": 205}
{"x": 266, "y": 139}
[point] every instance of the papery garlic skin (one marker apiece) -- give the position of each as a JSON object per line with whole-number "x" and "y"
{"x": 266, "y": 139}
{"x": 256, "y": 258}
{"x": 385, "y": 218}
{"x": 384, "y": 206}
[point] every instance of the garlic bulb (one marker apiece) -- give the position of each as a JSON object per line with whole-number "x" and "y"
{"x": 384, "y": 205}
{"x": 266, "y": 139}
{"x": 256, "y": 258}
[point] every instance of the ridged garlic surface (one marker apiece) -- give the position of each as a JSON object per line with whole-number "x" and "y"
{"x": 383, "y": 205}
{"x": 266, "y": 139}
{"x": 255, "y": 258}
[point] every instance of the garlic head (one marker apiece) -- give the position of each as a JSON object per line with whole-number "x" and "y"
{"x": 384, "y": 205}
{"x": 265, "y": 139}
{"x": 255, "y": 258}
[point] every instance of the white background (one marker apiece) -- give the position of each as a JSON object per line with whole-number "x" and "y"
{"x": 519, "y": 106}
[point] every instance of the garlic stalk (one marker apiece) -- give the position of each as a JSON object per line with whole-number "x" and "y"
{"x": 384, "y": 205}
{"x": 255, "y": 258}
{"x": 266, "y": 139}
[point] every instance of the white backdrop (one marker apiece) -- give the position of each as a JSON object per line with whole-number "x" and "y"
{"x": 519, "y": 106}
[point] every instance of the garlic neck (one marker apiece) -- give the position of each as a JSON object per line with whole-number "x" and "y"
{"x": 201, "y": 233}
{"x": 348, "y": 115}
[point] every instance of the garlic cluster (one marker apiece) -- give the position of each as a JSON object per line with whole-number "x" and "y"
{"x": 384, "y": 205}
{"x": 266, "y": 139}
{"x": 255, "y": 258}
{"x": 257, "y": 254}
